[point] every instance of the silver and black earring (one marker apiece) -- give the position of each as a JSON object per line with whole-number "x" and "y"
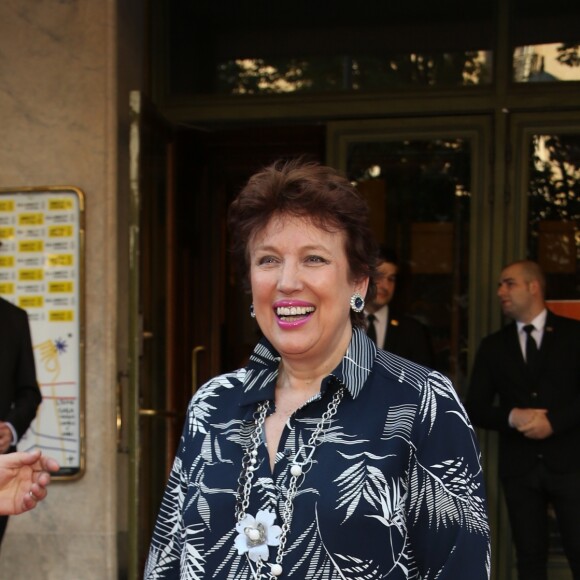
{"x": 252, "y": 312}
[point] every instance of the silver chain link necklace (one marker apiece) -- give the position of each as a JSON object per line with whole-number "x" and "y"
{"x": 256, "y": 534}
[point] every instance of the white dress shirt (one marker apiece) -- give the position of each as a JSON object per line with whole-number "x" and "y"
{"x": 538, "y": 333}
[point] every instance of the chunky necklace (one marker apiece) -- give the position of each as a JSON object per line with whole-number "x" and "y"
{"x": 256, "y": 534}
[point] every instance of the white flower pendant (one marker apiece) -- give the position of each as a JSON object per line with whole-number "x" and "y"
{"x": 256, "y": 534}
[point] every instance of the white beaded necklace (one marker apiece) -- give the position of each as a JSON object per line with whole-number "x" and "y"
{"x": 256, "y": 534}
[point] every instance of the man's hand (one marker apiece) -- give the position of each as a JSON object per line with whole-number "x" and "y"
{"x": 539, "y": 427}
{"x": 24, "y": 478}
{"x": 518, "y": 417}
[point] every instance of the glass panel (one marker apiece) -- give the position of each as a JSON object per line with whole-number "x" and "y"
{"x": 547, "y": 63}
{"x": 554, "y": 211}
{"x": 352, "y": 73}
{"x": 419, "y": 193}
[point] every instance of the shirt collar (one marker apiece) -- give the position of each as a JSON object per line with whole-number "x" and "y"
{"x": 353, "y": 370}
{"x": 539, "y": 322}
{"x": 382, "y": 314}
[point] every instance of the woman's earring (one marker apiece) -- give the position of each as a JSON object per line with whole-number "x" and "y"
{"x": 252, "y": 313}
{"x": 357, "y": 302}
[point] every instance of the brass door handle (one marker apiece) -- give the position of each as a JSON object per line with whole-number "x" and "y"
{"x": 157, "y": 413}
{"x": 121, "y": 375}
{"x": 194, "y": 353}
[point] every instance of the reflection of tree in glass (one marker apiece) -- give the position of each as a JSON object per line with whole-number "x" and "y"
{"x": 351, "y": 73}
{"x": 447, "y": 69}
{"x": 569, "y": 54}
{"x": 554, "y": 182}
{"x": 424, "y": 178}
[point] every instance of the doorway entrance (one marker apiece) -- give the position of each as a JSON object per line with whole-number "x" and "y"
{"x": 432, "y": 184}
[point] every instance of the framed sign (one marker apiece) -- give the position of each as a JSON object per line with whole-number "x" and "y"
{"x": 42, "y": 271}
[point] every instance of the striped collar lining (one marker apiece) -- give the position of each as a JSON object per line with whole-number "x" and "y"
{"x": 262, "y": 369}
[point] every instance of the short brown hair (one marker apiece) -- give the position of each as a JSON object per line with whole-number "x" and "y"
{"x": 307, "y": 190}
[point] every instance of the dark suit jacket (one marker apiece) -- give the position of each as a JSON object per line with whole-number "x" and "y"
{"x": 500, "y": 381}
{"x": 409, "y": 338}
{"x": 19, "y": 391}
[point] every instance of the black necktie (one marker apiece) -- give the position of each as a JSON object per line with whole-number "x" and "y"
{"x": 531, "y": 346}
{"x": 371, "y": 330}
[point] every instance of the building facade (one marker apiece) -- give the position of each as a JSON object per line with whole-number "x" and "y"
{"x": 460, "y": 125}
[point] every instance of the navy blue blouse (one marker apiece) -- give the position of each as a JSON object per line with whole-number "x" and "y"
{"x": 395, "y": 490}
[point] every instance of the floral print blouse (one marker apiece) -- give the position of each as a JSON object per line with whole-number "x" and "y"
{"x": 395, "y": 489}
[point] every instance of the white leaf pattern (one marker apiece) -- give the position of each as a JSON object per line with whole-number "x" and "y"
{"x": 395, "y": 482}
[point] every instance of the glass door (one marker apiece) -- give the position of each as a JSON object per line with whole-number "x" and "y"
{"x": 427, "y": 184}
{"x": 547, "y": 178}
{"x": 151, "y": 409}
{"x": 547, "y": 202}
{"x": 436, "y": 194}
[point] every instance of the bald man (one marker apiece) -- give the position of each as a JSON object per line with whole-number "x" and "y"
{"x": 525, "y": 384}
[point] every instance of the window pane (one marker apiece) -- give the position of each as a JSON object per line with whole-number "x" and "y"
{"x": 547, "y": 63}
{"x": 352, "y": 73}
{"x": 554, "y": 211}
{"x": 419, "y": 194}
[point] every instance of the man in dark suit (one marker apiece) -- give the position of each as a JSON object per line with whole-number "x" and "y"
{"x": 19, "y": 392}
{"x": 391, "y": 330}
{"x": 525, "y": 384}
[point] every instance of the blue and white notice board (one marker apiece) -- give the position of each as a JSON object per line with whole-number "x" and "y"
{"x": 42, "y": 271}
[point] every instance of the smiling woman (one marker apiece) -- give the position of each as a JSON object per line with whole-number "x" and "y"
{"x": 322, "y": 450}
{"x": 318, "y": 196}
{"x": 302, "y": 271}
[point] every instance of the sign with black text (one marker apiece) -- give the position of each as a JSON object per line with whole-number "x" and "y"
{"x": 42, "y": 271}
